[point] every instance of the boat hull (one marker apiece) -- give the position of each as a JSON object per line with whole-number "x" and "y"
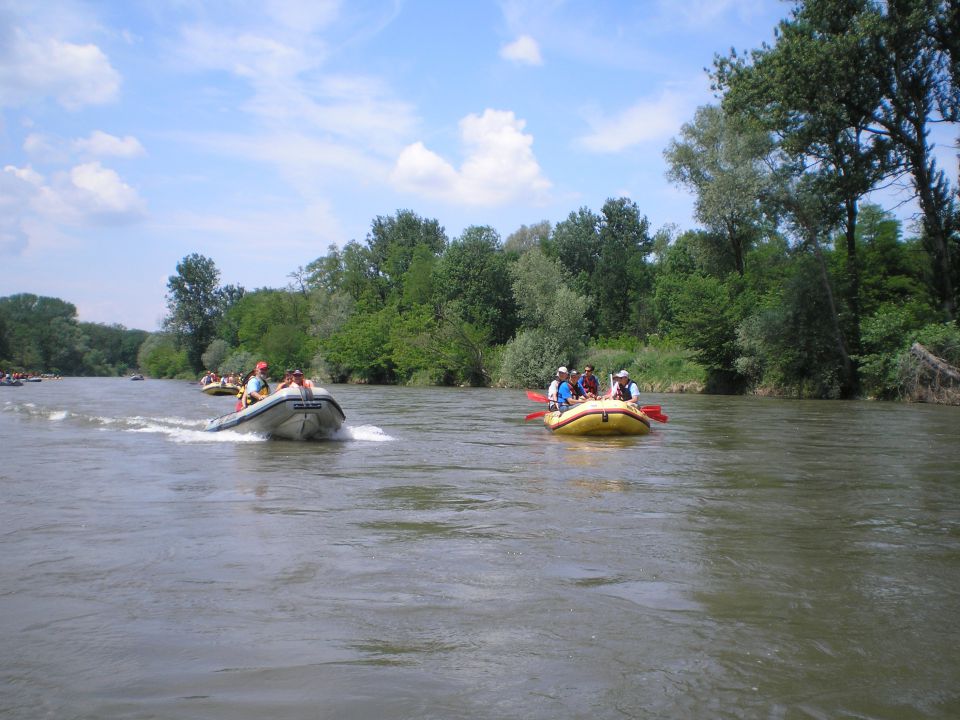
{"x": 291, "y": 414}
{"x": 218, "y": 389}
{"x": 598, "y": 417}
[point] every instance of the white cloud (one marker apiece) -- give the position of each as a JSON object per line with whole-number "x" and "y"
{"x": 349, "y": 123}
{"x": 98, "y": 192}
{"x": 499, "y": 166}
{"x": 645, "y": 121}
{"x": 89, "y": 194}
{"x": 17, "y": 187}
{"x": 101, "y": 144}
{"x": 74, "y": 75}
{"x": 524, "y": 50}
{"x": 37, "y": 143}
{"x": 703, "y": 14}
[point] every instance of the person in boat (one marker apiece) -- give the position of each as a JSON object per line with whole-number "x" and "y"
{"x": 561, "y": 377}
{"x": 256, "y": 388}
{"x": 589, "y": 384}
{"x": 206, "y": 379}
{"x": 299, "y": 380}
{"x": 625, "y": 389}
{"x": 569, "y": 393}
{"x": 287, "y": 380}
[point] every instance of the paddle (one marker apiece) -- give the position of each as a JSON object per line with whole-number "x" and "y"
{"x": 653, "y": 412}
{"x": 531, "y": 416}
{"x": 536, "y": 397}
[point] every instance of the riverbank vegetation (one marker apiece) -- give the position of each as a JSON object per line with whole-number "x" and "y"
{"x": 795, "y": 283}
{"x": 42, "y": 335}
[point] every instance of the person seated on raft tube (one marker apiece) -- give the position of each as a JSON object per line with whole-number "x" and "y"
{"x": 287, "y": 380}
{"x": 256, "y": 388}
{"x": 561, "y": 377}
{"x": 625, "y": 389}
{"x": 589, "y": 384}
{"x": 569, "y": 392}
{"x": 299, "y": 380}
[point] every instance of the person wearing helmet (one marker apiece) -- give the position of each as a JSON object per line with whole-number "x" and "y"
{"x": 256, "y": 388}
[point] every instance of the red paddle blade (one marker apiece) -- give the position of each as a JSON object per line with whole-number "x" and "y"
{"x": 531, "y": 416}
{"x": 647, "y": 409}
{"x": 659, "y": 417}
{"x": 537, "y": 397}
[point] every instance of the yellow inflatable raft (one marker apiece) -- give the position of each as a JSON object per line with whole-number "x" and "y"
{"x": 218, "y": 389}
{"x": 599, "y": 417}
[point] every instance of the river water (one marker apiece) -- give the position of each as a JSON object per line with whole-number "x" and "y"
{"x": 441, "y": 558}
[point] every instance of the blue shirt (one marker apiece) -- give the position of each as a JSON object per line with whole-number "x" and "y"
{"x": 564, "y": 394}
{"x": 255, "y": 384}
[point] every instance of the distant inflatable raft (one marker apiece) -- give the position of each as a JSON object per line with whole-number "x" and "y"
{"x": 218, "y": 389}
{"x": 599, "y": 417}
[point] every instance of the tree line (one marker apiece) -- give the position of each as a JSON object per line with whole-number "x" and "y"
{"x": 42, "y": 335}
{"x": 794, "y": 283}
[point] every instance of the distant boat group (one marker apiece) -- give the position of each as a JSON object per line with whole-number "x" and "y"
{"x": 16, "y": 379}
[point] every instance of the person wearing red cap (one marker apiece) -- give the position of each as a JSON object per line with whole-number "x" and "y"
{"x": 256, "y": 388}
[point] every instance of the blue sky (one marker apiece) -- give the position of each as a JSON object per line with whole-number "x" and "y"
{"x": 135, "y": 132}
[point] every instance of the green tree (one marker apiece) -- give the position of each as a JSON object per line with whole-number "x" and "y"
{"x": 893, "y": 270}
{"x": 361, "y": 349}
{"x": 194, "y": 306}
{"x": 473, "y": 275}
{"x": 857, "y": 85}
{"x": 575, "y": 242}
{"x": 42, "y": 334}
{"x": 553, "y": 320}
{"x": 392, "y": 243}
{"x": 274, "y": 326}
{"x": 621, "y": 280}
{"x": 217, "y": 351}
{"x": 812, "y": 211}
{"x": 113, "y": 348}
{"x": 160, "y": 357}
{"x": 725, "y": 160}
{"x": 527, "y": 237}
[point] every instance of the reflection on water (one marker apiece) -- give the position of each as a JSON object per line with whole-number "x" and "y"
{"x": 443, "y": 558}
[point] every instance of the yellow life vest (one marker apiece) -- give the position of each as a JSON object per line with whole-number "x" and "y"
{"x": 247, "y": 400}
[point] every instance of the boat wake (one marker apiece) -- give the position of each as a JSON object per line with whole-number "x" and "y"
{"x": 365, "y": 433}
{"x": 179, "y": 429}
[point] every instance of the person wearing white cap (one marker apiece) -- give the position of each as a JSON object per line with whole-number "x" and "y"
{"x": 625, "y": 389}
{"x": 554, "y": 387}
{"x": 569, "y": 392}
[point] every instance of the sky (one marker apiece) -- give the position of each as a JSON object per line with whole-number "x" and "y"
{"x": 136, "y": 132}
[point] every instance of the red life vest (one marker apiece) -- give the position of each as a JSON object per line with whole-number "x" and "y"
{"x": 590, "y": 384}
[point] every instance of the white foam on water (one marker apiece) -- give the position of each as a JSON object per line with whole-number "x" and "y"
{"x": 367, "y": 433}
{"x": 187, "y": 435}
{"x": 58, "y": 415}
{"x": 175, "y": 421}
